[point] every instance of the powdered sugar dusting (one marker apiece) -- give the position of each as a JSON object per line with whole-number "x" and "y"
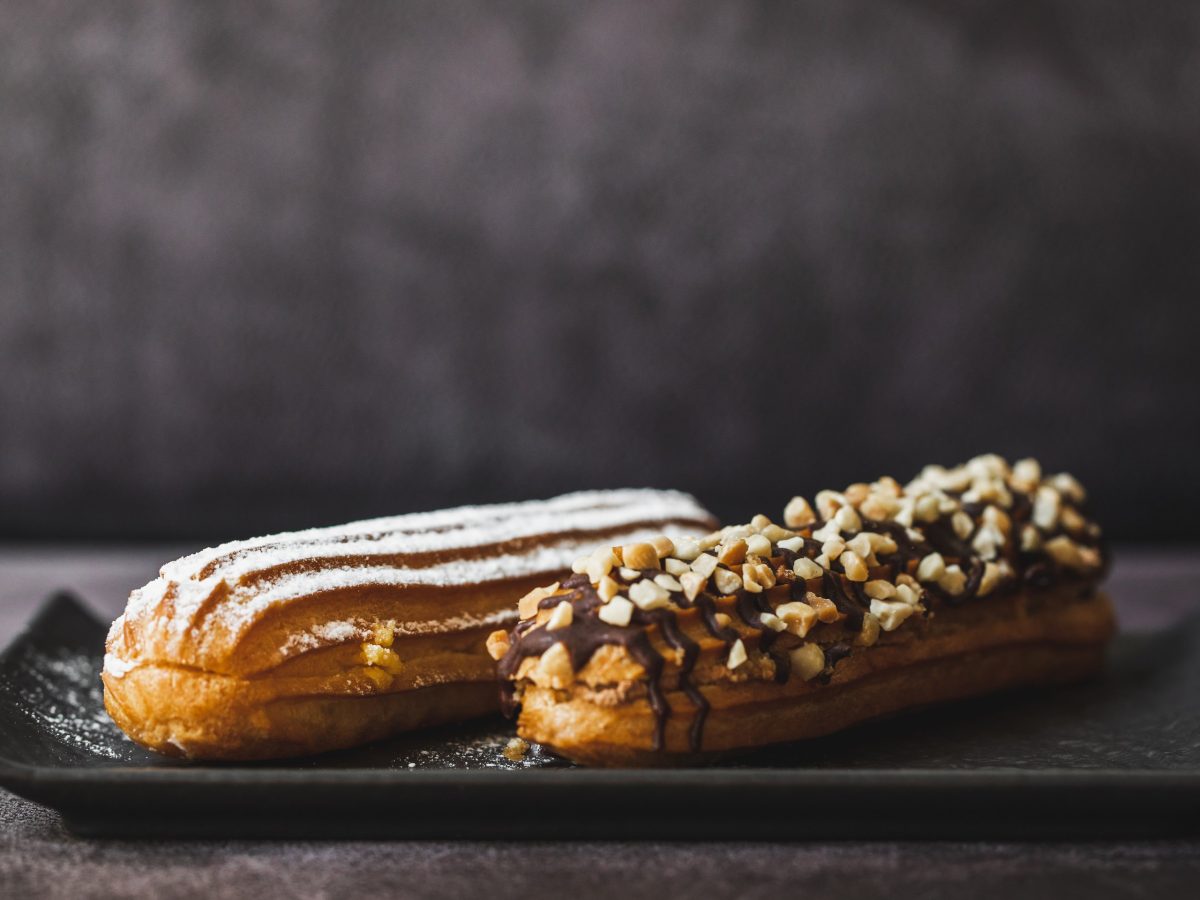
{"x": 458, "y": 623}
{"x": 241, "y": 613}
{"x": 452, "y": 529}
{"x": 469, "y": 748}
{"x": 61, "y": 691}
{"x": 348, "y": 552}
{"x": 116, "y": 666}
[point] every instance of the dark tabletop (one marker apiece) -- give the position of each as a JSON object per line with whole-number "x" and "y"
{"x": 39, "y": 858}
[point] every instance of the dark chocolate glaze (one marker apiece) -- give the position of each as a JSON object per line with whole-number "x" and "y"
{"x": 833, "y": 655}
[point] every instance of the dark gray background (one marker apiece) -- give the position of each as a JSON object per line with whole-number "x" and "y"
{"x": 269, "y": 265}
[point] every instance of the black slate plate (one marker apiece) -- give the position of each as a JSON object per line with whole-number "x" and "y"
{"x": 1116, "y": 757}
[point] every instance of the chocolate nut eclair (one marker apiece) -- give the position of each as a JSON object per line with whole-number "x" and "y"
{"x": 883, "y": 597}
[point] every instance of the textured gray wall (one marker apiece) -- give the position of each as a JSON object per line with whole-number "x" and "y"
{"x": 268, "y": 264}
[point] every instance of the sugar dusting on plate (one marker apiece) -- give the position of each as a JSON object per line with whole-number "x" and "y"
{"x": 61, "y": 691}
{"x": 471, "y": 750}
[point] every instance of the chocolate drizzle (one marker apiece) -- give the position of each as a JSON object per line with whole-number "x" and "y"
{"x": 848, "y": 603}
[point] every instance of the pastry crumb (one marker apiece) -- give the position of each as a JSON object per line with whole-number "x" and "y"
{"x": 516, "y": 749}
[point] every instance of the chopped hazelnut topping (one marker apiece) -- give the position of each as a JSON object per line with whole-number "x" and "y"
{"x": 926, "y": 509}
{"x": 663, "y": 546}
{"x": 988, "y": 541}
{"x": 1026, "y": 474}
{"x": 869, "y": 633}
{"x": 829, "y": 502}
{"x": 732, "y": 533}
{"x": 600, "y": 564}
{"x": 757, "y": 577}
{"x": 890, "y": 613}
{"x": 998, "y": 518}
{"x": 497, "y": 644}
{"x": 1067, "y": 485}
{"x": 862, "y": 545}
{"x": 887, "y": 486}
{"x": 988, "y": 490}
{"x": 931, "y": 568}
{"x": 1072, "y": 521}
{"x": 758, "y": 523}
{"x": 953, "y": 580}
{"x": 686, "y": 549}
{"x": 692, "y": 584}
{"x": 797, "y": 617}
{"x": 856, "y": 493}
{"x": 805, "y": 568}
{"x": 827, "y": 532}
{"x": 775, "y": 534}
{"x": 1045, "y": 508}
{"x": 722, "y": 619}
{"x": 629, "y": 574}
{"x": 648, "y": 595}
{"x": 962, "y": 524}
{"x": 704, "y": 565}
{"x": 554, "y": 668}
{"x": 640, "y": 556}
{"x": 826, "y": 610}
{"x": 795, "y": 544}
{"x": 880, "y": 590}
{"x": 991, "y": 577}
{"x": 879, "y": 508}
{"x": 852, "y": 563}
{"x": 808, "y": 661}
{"x": 733, "y": 553}
{"x": 881, "y": 543}
{"x": 908, "y": 594}
{"x": 1063, "y": 551}
{"x": 527, "y": 606}
{"x": 675, "y": 566}
{"x": 798, "y": 513}
{"x": 561, "y": 617}
{"x": 833, "y": 548}
{"x": 737, "y": 654}
{"x": 848, "y": 519}
{"x": 1031, "y": 539}
{"x": 670, "y": 582}
{"x": 617, "y": 611}
{"x": 607, "y": 588}
{"x": 758, "y": 545}
{"x": 727, "y": 582}
{"x": 772, "y": 621}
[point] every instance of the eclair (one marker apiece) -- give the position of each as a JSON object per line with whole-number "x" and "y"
{"x": 303, "y": 642}
{"x": 868, "y": 601}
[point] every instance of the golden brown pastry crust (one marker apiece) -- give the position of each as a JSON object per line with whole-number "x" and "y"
{"x": 1059, "y": 641}
{"x": 319, "y": 640}
{"x": 204, "y": 716}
